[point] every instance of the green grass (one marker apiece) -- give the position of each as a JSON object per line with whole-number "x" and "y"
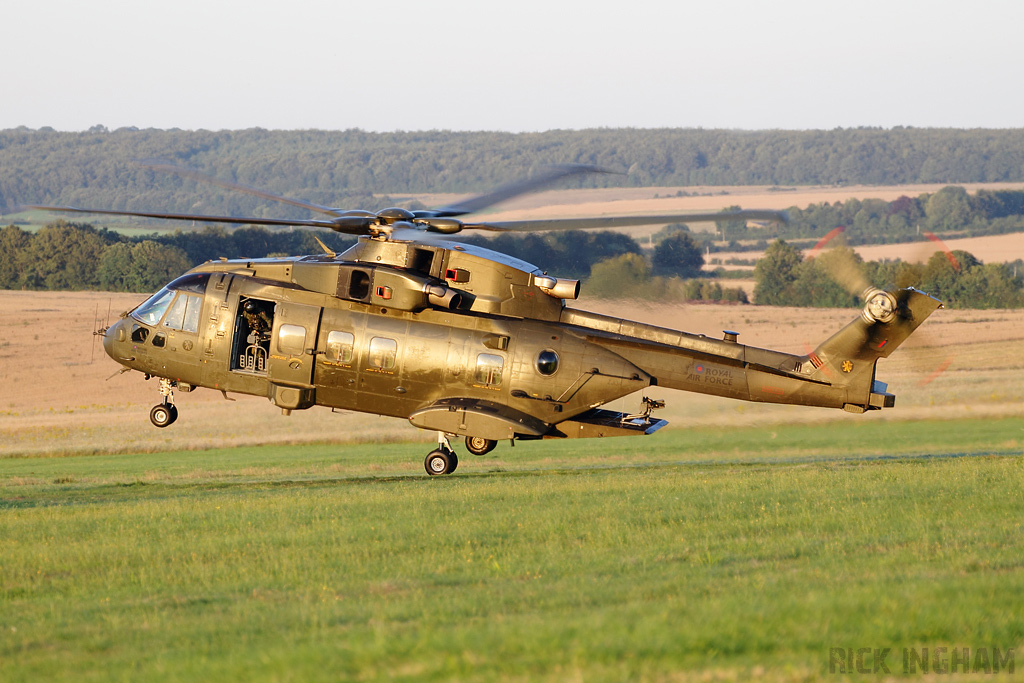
{"x": 690, "y": 554}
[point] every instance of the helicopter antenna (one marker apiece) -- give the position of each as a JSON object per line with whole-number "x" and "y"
{"x": 95, "y": 319}
{"x": 327, "y": 250}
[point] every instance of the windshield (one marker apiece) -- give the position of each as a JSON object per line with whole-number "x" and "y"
{"x": 154, "y": 307}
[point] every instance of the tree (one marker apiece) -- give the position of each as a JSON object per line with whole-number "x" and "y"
{"x": 668, "y": 231}
{"x": 678, "y": 255}
{"x": 959, "y": 280}
{"x": 941, "y": 276}
{"x": 115, "y": 268}
{"x": 727, "y": 228}
{"x": 948, "y": 209}
{"x": 154, "y": 265}
{"x": 833, "y": 279}
{"x": 142, "y": 267}
{"x": 65, "y": 256}
{"x": 14, "y": 244}
{"x": 775, "y": 274}
{"x": 991, "y": 285}
{"x": 619, "y": 276}
{"x": 817, "y": 285}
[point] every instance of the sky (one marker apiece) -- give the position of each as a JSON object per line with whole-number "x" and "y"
{"x": 512, "y": 66}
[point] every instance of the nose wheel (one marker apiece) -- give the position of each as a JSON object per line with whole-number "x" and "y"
{"x": 443, "y": 459}
{"x": 164, "y": 413}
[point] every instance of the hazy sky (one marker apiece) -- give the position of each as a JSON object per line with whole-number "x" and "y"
{"x": 513, "y": 66}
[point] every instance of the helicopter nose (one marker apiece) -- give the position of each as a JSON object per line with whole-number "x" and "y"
{"x": 111, "y": 337}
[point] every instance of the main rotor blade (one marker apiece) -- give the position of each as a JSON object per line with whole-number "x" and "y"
{"x": 238, "y": 187}
{"x": 546, "y": 177}
{"x": 625, "y": 221}
{"x": 351, "y": 225}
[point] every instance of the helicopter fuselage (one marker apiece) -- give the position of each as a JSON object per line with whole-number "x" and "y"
{"x": 462, "y": 340}
{"x": 466, "y": 342}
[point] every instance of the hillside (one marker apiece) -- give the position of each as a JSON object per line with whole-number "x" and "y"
{"x": 342, "y": 167}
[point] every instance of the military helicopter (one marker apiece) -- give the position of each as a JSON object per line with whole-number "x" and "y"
{"x": 462, "y": 340}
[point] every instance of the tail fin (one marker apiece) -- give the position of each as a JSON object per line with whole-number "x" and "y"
{"x": 847, "y": 358}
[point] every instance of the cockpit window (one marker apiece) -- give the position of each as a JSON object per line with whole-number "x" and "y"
{"x": 154, "y": 307}
{"x": 184, "y": 313}
{"x": 191, "y": 282}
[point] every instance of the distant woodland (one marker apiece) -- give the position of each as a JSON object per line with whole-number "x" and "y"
{"x": 346, "y": 168}
{"x": 355, "y": 169}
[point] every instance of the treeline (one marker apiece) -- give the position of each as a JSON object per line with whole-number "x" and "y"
{"x": 353, "y": 168}
{"x": 77, "y": 256}
{"x": 73, "y": 256}
{"x": 951, "y": 211}
{"x": 836, "y": 277}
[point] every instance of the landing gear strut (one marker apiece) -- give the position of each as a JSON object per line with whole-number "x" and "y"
{"x": 164, "y": 413}
{"x": 442, "y": 460}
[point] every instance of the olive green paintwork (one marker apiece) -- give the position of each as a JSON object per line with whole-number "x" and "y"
{"x": 460, "y": 340}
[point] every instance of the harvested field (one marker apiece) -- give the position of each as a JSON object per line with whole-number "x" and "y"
{"x": 990, "y": 249}
{"x": 655, "y": 200}
{"x": 659, "y": 200}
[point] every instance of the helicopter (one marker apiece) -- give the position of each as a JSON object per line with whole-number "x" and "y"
{"x": 461, "y": 340}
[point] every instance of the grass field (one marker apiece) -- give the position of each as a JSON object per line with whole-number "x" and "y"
{"x": 694, "y": 554}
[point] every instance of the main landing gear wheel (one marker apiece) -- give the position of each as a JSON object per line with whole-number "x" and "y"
{"x": 478, "y": 445}
{"x": 441, "y": 461}
{"x": 163, "y": 414}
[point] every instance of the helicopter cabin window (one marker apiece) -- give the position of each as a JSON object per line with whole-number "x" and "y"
{"x": 383, "y": 352}
{"x": 340, "y": 346}
{"x": 547, "y": 362}
{"x": 291, "y": 339}
{"x": 184, "y": 313}
{"x": 488, "y": 369}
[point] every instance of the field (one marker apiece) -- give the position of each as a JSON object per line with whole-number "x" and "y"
{"x": 988, "y": 249}
{"x": 660, "y": 200}
{"x": 750, "y": 560}
{"x": 740, "y": 542}
{"x": 629, "y": 201}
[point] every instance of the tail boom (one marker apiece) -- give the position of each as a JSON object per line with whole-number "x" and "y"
{"x": 839, "y": 373}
